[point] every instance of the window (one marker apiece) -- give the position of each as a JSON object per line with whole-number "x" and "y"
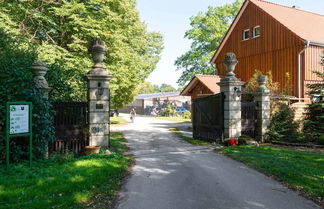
{"x": 256, "y": 31}
{"x": 246, "y": 34}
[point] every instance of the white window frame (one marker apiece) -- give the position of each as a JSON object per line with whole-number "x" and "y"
{"x": 254, "y": 35}
{"x": 243, "y": 38}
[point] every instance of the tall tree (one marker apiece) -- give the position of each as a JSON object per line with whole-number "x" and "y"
{"x": 147, "y": 88}
{"x": 167, "y": 88}
{"x": 207, "y": 31}
{"x": 62, "y": 30}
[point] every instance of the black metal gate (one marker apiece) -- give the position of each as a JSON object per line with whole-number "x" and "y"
{"x": 248, "y": 116}
{"x": 70, "y": 123}
{"x": 208, "y": 118}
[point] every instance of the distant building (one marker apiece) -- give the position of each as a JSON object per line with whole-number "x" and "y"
{"x": 152, "y": 103}
{"x": 202, "y": 85}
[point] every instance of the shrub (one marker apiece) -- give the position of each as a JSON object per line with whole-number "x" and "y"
{"x": 16, "y": 84}
{"x": 320, "y": 140}
{"x": 186, "y": 115}
{"x": 168, "y": 110}
{"x": 282, "y": 126}
{"x": 314, "y": 121}
{"x": 243, "y": 139}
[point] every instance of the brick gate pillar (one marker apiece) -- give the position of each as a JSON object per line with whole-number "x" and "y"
{"x": 231, "y": 86}
{"x": 98, "y": 97}
{"x": 262, "y": 100}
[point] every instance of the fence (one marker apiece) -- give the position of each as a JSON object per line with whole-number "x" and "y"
{"x": 70, "y": 123}
{"x": 208, "y": 117}
{"x": 248, "y": 115}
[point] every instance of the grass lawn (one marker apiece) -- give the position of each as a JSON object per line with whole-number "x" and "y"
{"x": 117, "y": 120}
{"x": 65, "y": 182}
{"x": 189, "y": 139}
{"x": 175, "y": 119}
{"x": 301, "y": 170}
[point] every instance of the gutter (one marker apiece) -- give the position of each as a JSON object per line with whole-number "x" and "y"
{"x": 299, "y": 68}
{"x": 316, "y": 43}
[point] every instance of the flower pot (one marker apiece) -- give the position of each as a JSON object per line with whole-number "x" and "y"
{"x": 232, "y": 142}
{"x": 88, "y": 150}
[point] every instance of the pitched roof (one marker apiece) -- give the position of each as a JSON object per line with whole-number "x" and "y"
{"x": 306, "y": 25}
{"x": 210, "y": 81}
{"x": 156, "y": 95}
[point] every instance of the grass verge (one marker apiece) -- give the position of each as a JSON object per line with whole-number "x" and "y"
{"x": 65, "y": 182}
{"x": 299, "y": 170}
{"x": 189, "y": 139}
{"x": 175, "y": 119}
{"x": 117, "y": 120}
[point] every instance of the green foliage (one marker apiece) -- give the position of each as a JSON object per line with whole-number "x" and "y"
{"x": 66, "y": 182}
{"x": 16, "y": 84}
{"x": 62, "y": 30}
{"x": 168, "y": 110}
{"x": 282, "y": 126}
{"x": 207, "y": 31}
{"x": 148, "y": 88}
{"x": 252, "y": 85}
{"x": 178, "y": 119}
{"x": 243, "y": 139}
{"x": 298, "y": 169}
{"x": 167, "y": 88}
{"x": 314, "y": 121}
{"x": 320, "y": 140}
{"x": 186, "y": 115}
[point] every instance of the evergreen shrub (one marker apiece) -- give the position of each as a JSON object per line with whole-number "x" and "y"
{"x": 283, "y": 127}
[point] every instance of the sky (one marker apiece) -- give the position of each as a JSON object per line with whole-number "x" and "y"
{"x": 172, "y": 19}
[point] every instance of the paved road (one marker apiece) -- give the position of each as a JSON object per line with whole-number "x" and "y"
{"x": 172, "y": 174}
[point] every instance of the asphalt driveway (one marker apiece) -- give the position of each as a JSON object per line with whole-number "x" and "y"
{"x": 172, "y": 174}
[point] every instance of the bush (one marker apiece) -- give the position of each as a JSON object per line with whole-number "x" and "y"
{"x": 168, "y": 110}
{"x": 283, "y": 127}
{"x": 320, "y": 140}
{"x": 242, "y": 140}
{"x": 16, "y": 84}
{"x": 186, "y": 115}
{"x": 314, "y": 121}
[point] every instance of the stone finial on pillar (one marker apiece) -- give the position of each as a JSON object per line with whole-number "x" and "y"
{"x": 98, "y": 96}
{"x": 262, "y": 98}
{"x": 39, "y": 70}
{"x": 230, "y": 86}
{"x": 230, "y": 62}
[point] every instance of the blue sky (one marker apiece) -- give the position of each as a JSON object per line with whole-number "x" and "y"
{"x": 171, "y": 18}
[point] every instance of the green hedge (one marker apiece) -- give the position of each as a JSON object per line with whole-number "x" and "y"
{"x": 16, "y": 84}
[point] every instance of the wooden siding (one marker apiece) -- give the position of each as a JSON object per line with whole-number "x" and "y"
{"x": 198, "y": 90}
{"x": 312, "y": 57}
{"x": 276, "y": 49}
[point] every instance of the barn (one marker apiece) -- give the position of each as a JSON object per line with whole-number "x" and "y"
{"x": 270, "y": 37}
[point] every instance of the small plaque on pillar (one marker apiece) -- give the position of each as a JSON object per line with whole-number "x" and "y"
{"x": 99, "y": 106}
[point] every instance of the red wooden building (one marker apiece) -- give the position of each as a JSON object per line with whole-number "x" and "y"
{"x": 271, "y": 37}
{"x": 202, "y": 85}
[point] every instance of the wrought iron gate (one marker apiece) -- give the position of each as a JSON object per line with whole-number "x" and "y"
{"x": 208, "y": 117}
{"x": 248, "y": 116}
{"x": 70, "y": 123}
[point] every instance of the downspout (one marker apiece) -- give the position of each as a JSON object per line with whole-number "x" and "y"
{"x": 299, "y": 68}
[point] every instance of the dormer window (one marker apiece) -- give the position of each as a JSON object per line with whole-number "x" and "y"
{"x": 256, "y": 31}
{"x": 246, "y": 34}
